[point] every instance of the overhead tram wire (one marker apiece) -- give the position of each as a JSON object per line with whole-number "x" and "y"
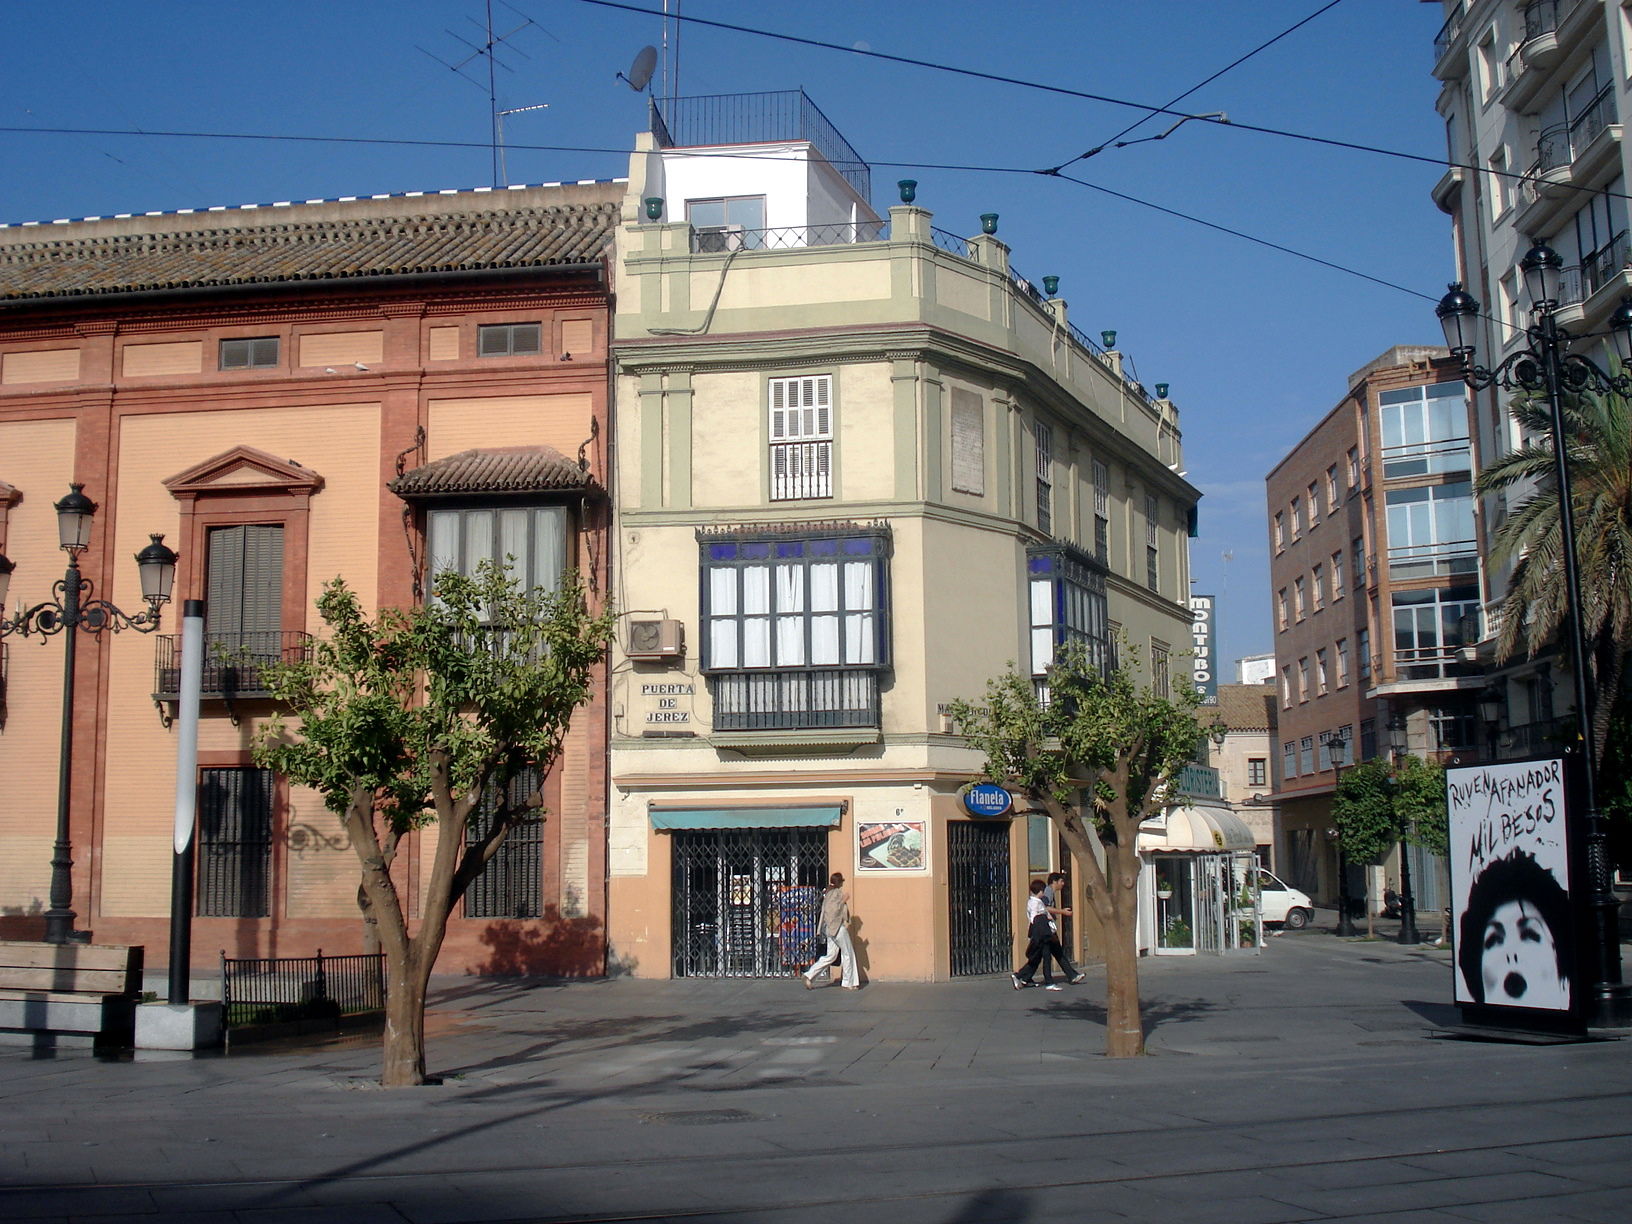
{"x": 470, "y": 144}
{"x": 1212, "y": 121}
{"x": 1230, "y": 67}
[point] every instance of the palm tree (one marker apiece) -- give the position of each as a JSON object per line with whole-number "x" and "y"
{"x": 1598, "y": 449}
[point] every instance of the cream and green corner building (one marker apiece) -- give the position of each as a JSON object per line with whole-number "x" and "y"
{"x": 861, "y": 466}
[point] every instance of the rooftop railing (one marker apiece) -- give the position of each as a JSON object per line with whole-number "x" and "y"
{"x": 758, "y": 118}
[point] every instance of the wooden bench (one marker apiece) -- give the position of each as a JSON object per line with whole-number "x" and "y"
{"x": 68, "y": 994}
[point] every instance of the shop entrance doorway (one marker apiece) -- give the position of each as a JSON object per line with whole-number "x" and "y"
{"x": 746, "y": 900}
{"x": 982, "y": 939}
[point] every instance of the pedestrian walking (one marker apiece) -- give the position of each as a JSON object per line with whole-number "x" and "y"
{"x": 1054, "y": 905}
{"x": 1038, "y": 933}
{"x": 834, "y": 925}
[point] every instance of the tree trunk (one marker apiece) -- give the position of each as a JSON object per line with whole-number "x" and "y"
{"x": 403, "y": 1049}
{"x": 1124, "y": 1027}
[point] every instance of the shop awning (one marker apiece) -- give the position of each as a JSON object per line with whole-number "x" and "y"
{"x": 745, "y": 817}
{"x": 1196, "y": 828}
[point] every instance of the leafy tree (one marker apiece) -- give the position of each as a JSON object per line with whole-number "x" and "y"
{"x": 1378, "y": 803}
{"x": 1095, "y": 756}
{"x": 406, "y": 720}
{"x": 1598, "y": 449}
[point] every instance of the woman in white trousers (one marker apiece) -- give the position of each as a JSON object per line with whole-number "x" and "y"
{"x": 835, "y": 927}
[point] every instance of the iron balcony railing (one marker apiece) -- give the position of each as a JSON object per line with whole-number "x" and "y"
{"x": 233, "y": 662}
{"x": 1431, "y": 663}
{"x": 1440, "y": 558}
{"x": 1562, "y": 143}
{"x": 284, "y": 989}
{"x": 1448, "y": 32}
{"x": 795, "y": 700}
{"x": 757, "y": 118}
{"x": 1540, "y": 17}
{"x": 954, "y": 244}
{"x": 722, "y": 239}
{"x": 801, "y": 470}
{"x": 1425, "y": 458}
{"x": 1603, "y": 266}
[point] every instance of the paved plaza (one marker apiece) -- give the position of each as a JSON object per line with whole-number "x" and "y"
{"x": 1302, "y": 1084}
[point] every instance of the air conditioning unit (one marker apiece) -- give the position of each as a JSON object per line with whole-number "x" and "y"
{"x": 656, "y": 639}
{"x": 713, "y": 239}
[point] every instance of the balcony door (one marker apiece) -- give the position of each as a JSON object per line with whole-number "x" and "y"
{"x": 243, "y": 613}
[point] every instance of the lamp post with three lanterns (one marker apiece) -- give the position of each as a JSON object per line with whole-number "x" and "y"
{"x": 1546, "y": 366}
{"x": 69, "y": 612}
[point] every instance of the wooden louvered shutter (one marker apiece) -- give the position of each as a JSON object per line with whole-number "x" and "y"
{"x": 244, "y": 590}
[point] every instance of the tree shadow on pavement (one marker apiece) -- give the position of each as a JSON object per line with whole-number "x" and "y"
{"x": 1152, "y": 1015}
{"x": 578, "y": 1038}
{"x": 996, "y": 1206}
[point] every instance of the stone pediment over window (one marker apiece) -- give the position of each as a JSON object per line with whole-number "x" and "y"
{"x": 244, "y": 470}
{"x": 501, "y": 471}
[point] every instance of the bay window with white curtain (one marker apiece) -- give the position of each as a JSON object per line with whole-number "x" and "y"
{"x": 530, "y": 540}
{"x": 795, "y": 627}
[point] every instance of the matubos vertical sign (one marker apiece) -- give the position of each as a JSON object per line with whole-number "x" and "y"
{"x": 1511, "y": 913}
{"x": 1203, "y": 648}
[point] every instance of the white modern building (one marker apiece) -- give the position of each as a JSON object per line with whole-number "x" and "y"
{"x": 1533, "y": 98}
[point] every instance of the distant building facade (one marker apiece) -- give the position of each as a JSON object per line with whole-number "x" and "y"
{"x": 1376, "y": 588}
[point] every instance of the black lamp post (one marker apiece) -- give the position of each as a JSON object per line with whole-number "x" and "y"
{"x": 1547, "y": 366}
{"x": 1337, "y": 751}
{"x": 69, "y": 612}
{"x": 1408, "y": 900}
{"x": 1490, "y": 704}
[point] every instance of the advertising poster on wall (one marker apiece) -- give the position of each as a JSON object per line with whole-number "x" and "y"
{"x": 1514, "y": 923}
{"x": 890, "y": 845}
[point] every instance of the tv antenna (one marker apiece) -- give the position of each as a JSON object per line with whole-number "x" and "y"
{"x": 488, "y": 50}
{"x": 504, "y": 170}
{"x": 640, "y": 71}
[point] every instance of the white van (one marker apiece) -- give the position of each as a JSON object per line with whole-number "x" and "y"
{"x": 1281, "y": 903}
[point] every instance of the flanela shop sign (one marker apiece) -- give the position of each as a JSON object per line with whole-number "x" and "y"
{"x": 667, "y": 709}
{"x": 987, "y": 799}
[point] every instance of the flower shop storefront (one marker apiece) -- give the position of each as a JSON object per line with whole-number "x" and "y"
{"x": 1198, "y": 883}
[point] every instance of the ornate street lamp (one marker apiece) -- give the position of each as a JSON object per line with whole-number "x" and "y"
{"x": 70, "y": 611}
{"x": 1408, "y": 902}
{"x": 1337, "y": 751}
{"x": 1547, "y": 366}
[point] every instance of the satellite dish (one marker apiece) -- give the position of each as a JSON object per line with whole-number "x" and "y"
{"x": 640, "y": 72}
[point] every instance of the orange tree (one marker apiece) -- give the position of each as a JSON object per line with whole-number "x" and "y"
{"x": 1095, "y": 752}
{"x": 407, "y": 719}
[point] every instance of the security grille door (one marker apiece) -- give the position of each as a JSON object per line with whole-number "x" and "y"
{"x": 978, "y": 859}
{"x": 510, "y": 885}
{"x": 730, "y": 888}
{"x": 234, "y": 843}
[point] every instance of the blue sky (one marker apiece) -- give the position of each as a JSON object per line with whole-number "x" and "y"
{"x": 1256, "y": 344}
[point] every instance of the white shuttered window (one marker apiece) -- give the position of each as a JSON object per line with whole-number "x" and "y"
{"x": 801, "y": 427}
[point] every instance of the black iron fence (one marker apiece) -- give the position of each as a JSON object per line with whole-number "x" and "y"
{"x": 288, "y": 989}
{"x": 720, "y": 239}
{"x": 233, "y": 662}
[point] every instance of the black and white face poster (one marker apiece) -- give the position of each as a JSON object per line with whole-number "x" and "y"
{"x": 1510, "y": 883}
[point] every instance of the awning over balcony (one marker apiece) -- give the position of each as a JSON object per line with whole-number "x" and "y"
{"x": 501, "y": 470}
{"x": 746, "y": 817}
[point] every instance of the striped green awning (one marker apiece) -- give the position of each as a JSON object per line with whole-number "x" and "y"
{"x": 745, "y": 817}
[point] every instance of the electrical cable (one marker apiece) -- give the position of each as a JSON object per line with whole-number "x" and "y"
{"x": 1231, "y": 66}
{"x": 1131, "y": 199}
